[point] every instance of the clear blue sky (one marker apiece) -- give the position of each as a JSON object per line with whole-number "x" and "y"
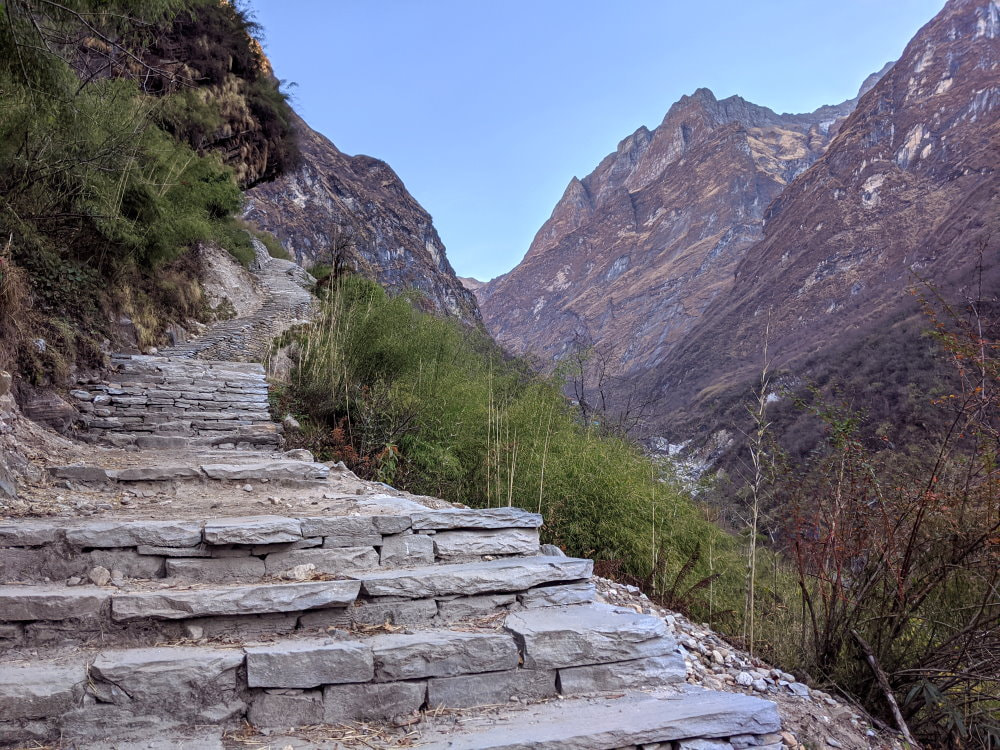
{"x": 487, "y": 108}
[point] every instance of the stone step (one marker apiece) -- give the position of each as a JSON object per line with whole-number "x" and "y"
{"x": 296, "y": 681}
{"x": 238, "y": 440}
{"x": 271, "y": 470}
{"x": 143, "y": 612}
{"x": 692, "y": 719}
{"x": 246, "y": 548}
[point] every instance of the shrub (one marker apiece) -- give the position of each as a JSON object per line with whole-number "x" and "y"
{"x": 434, "y": 407}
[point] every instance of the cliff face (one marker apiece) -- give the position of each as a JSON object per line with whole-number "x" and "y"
{"x": 729, "y": 225}
{"x": 354, "y": 211}
{"x": 635, "y": 252}
{"x": 907, "y": 191}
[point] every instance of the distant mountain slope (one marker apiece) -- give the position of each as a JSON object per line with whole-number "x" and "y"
{"x": 355, "y": 210}
{"x": 908, "y": 189}
{"x": 635, "y": 252}
{"x": 676, "y": 254}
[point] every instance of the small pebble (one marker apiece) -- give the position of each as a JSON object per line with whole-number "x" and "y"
{"x": 248, "y": 488}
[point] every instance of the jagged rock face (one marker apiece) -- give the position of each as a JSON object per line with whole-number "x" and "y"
{"x": 635, "y": 252}
{"x": 357, "y": 208}
{"x": 682, "y": 247}
{"x": 908, "y": 190}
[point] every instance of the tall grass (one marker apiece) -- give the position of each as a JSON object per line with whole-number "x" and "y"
{"x": 434, "y": 407}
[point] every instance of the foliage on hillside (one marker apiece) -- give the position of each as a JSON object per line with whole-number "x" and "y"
{"x": 96, "y": 188}
{"x": 432, "y": 406}
{"x": 896, "y": 551}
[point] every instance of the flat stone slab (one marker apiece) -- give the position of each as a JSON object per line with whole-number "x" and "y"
{"x": 253, "y": 530}
{"x": 134, "y": 533}
{"x": 626, "y": 675}
{"x": 51, "y": 602}
{"x": 233, "y": 600}
{"x": 80, "y": 473}
{"x": 491, "y": 689}
{"x": 272, "y": 470}
{"x": 441, "y": 654}
{"x": 586, "y": 634}
{"x": 309, "y": 663}
{"x": 333, "y": 561}
{"x": 470, "y": 518}
{"x": 27, "y": 533}
{"x": 559, "y": 596}
{"x": 478, "y": 542}
{"x": 339, "y": 526}
{"x": 219, "y": 569}
{"x": 400, "y": 550}
{"x": 496, "y": 576}
{"x": 156, "y": 473}
{"x": 38, "y": 690}
{"x": 372, "y": 702}
{"x": 155, "y": 674}
{"x": 598, "y": 724}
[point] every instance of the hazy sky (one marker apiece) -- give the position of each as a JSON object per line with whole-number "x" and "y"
{"x": 487, "y": 108}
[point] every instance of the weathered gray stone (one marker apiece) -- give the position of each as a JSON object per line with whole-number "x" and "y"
{"x": 409, "y": 612}
{"x": 173, "y": 674}
{"x": 490, "y": 689}
{"x": 129, "y": 562}
{"x": 361, "y": 540}
{"x": 253, "y": 530}
{"x": 622, "y": 721}
{"x": 651, "y": 672}
{"x": 38, "y": 690}
{"x": 372, "y": 702}
{"x": 516, "y": 574}
{"x": 233, "y": 600}
{"x": 267, "y": 549}
{"x": 199, "y": 551}
{"x": 406, "y": 549}
{"x": 486, "y": 542}
{"x": 134, "y": 533}
{"x": 286, "y": 708}
{"x": 338, "y": 526}
{"x": 242, "y": 626}
{"x": 586, "y": 634}
{"x": 156, "y": 473}
{"x": 50, "y": 602}
{"x": 441, "y": 654}
{"x": 308, "y": 663}
{"x": 558, "y": 596}
{"x": 698, "y": 744}
{"x": 467, "y": 607}
{"x": 79, "y": 473}
{"x": 469, "y": 518}
{"x": 332, "y": 561}
{"x": 220, "y": 569}
{"x": 27, "y": 533}
{"x": 273, "y": 470}
{"x": 391, "y": 524}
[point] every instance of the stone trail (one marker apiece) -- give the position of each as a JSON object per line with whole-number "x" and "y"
{"x": 444, "y": 628}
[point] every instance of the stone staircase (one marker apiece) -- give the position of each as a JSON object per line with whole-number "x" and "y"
{"x": 174, "y": 403}
{"x": 354, "y": 618}
{"x": 285, "y": 622}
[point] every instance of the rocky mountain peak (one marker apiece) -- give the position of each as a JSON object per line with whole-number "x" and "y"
{"x": 669, "y": 269}
{"x": 356, "y": 211}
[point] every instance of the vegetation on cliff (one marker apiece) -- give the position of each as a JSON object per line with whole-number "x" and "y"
{"x": 108, "y": 171}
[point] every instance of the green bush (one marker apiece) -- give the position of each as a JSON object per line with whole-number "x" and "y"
{"x": 434, "y": 407}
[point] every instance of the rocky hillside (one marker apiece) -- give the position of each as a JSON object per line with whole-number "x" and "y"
{"x": 908, "y": 190}
{"x": 671, "y": 256}
{"x": 653, "y": 235}
{"x": 355, "y": 212}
